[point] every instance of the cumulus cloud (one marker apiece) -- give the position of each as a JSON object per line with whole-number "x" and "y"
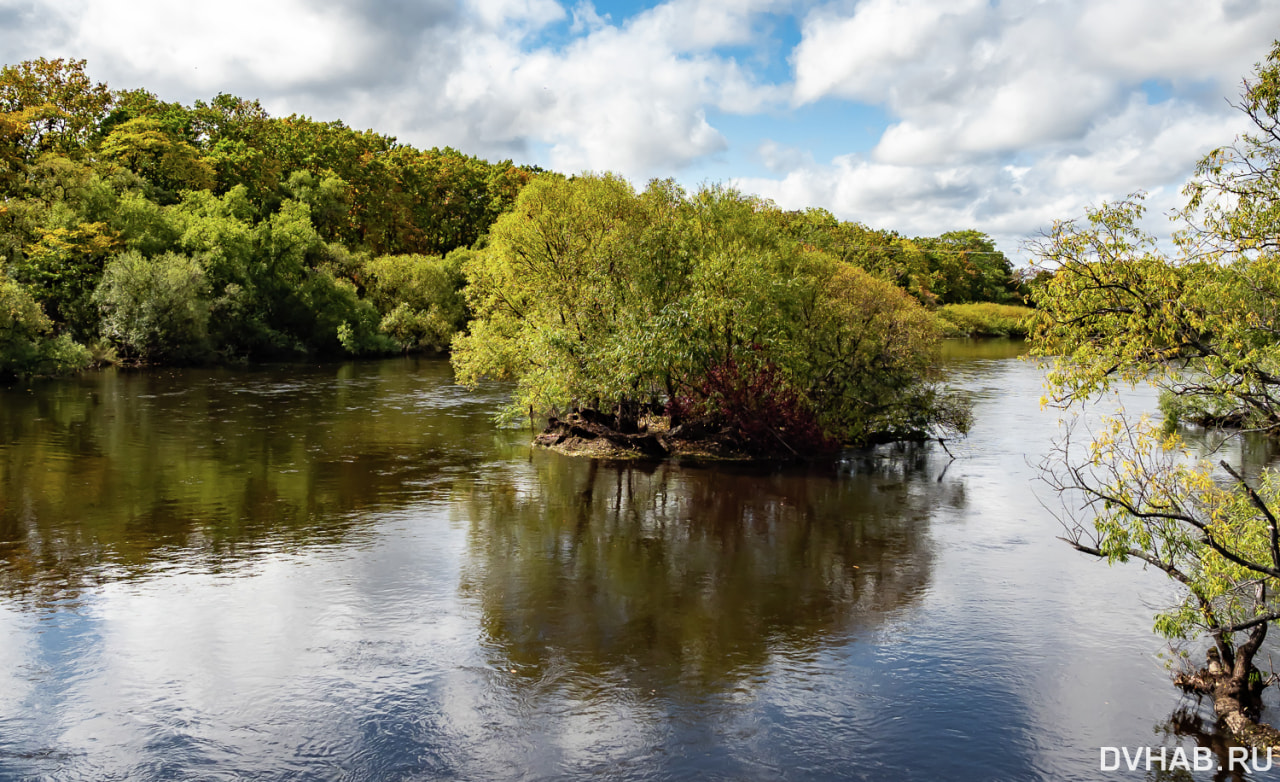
{"x": 1141, "y": 148}
{"x": 492, "y": 77}
{"x": 1009, "y": 115}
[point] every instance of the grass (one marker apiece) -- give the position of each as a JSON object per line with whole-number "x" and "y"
{"x": 984, "y": 319}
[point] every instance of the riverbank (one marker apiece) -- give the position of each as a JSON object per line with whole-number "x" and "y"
{"x": 984, "y": 319}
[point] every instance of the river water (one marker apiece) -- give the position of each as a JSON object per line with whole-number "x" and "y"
{"x": 348, "y": 572}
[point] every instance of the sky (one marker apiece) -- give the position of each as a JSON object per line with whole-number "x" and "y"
{"x": 921, "y": 116}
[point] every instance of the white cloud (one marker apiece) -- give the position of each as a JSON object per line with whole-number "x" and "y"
{"x": 615, "y": 99}
{"x": 504, "y": 14}
{"x": 1142, "y": 148}
{"x": 1009, "y": 115}
{"x": 586, "y": 19}
{"x": 700, "y": 25}
{"x": 631, "y": 96}
{"x": 1002, "y": 115}
{"x": 885, "y": 44}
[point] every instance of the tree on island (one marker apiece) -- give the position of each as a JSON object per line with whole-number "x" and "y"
{"x": 1204, "y": 326}
{"x": 613, "y": 305}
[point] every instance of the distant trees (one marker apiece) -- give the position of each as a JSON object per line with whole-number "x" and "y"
{"x": 954, "y": 268}
{"x": 165, "y": 232}
{"x": 214, "y": 231}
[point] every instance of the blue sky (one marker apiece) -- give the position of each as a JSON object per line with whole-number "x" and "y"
{"x": 917, "y": 115}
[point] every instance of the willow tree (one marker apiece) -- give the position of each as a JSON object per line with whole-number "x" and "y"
{"x": 599, "y": 299}
{"x": 1203, "y": 325}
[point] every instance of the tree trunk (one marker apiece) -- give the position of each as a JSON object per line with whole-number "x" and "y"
{"x": 1236, "y": 688}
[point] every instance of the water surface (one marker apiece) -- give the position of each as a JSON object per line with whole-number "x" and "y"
{"x": 348, "y": 572}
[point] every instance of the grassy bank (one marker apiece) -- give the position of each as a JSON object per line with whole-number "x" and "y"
{"x": 984, "y": 319}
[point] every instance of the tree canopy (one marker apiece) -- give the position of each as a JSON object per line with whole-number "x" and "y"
{"x": 593, "y": 296}
{"x": 153, "y": 231}
{"x": 160, "y": 232}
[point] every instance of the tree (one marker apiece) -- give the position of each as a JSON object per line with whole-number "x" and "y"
{"x": 601, "y": 300}
{"x": 968, "y": 267}
{"x": 169, "y": 163}
{"x": 1203, "y": 326}
{"x": 420, "y": 298}
{"x": 155, "y": 309}
{"x": 26, "y": 345}
{"x": 55, "y": 102}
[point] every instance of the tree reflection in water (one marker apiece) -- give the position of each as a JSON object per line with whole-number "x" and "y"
{"x": 116, "y": 475}
{"x": 651, "y": 577}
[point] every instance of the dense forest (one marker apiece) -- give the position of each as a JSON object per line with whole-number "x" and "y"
{"x": 138, "y": 230}
{"x": 135, "y": 229}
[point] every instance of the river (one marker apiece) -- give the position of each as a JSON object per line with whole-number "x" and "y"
{"x": 348, "y": 572}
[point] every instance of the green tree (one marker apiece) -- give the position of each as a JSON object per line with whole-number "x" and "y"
{"x": 57, "y": 106}
{"x": 26, "y": 345}
{"x": 595, "y": 297}
{"x": 63, "y": 267}
{"x": 1201, "y": 325}
{"x": 420, "y": 298}
{"x": 169, "y": 163}
{"x": 155, "y": 309}
{"x": 968, "y": 267}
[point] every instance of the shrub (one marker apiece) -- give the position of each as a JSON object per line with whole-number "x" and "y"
{"x": 26, "y": 347}
{"x": 420, "y": 298}
{"x": 155, "y": 308}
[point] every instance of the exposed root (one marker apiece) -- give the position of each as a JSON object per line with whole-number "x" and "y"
{"x": 1236, "y": 706}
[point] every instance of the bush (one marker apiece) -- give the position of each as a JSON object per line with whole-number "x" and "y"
{"x": 26, "y": 347}
{"x": 342, "y": 321}
{"x": 752, "y": 399}
{"x": 420, "y": 298}
{"x": 155, "y": 309}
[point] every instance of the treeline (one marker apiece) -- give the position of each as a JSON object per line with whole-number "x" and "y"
{"x": 159, "y": 232}
{"x": 140, "y": 230}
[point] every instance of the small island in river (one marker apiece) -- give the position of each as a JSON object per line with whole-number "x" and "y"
{"x": 663, "y": 322}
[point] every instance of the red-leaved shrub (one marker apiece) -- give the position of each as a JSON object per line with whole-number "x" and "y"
{"x": 755, "y": 408}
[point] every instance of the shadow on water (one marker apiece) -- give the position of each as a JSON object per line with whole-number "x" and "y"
{"x": 983, "y": 349}
{"x": 664, "y": 578}
{"x": 119, "y": 473}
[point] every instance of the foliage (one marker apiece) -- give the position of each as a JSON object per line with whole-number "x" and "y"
{"x": 169, "y": 164}
{"x": 26, "y": 347}
{"x": 591, "y": 295}
{"x": 985, "y": 319}
{"x": 155, "y": 309}
{"x": 420, "y": 298}
{"x": 282, "y": 216}
{"x": 1201, "y": 325}
{"x": 54, "y": 103}
{"x": 63, "y": 267}
{"x": 754, "y": 401}
{"x": 967, "y": 267}
{"x": 958, "y": 266}
{"x": 1154, "y": 504}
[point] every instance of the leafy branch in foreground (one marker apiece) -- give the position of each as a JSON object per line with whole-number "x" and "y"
{"x": 1202, "y": 326}
{"x": 1152, "y": 503}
